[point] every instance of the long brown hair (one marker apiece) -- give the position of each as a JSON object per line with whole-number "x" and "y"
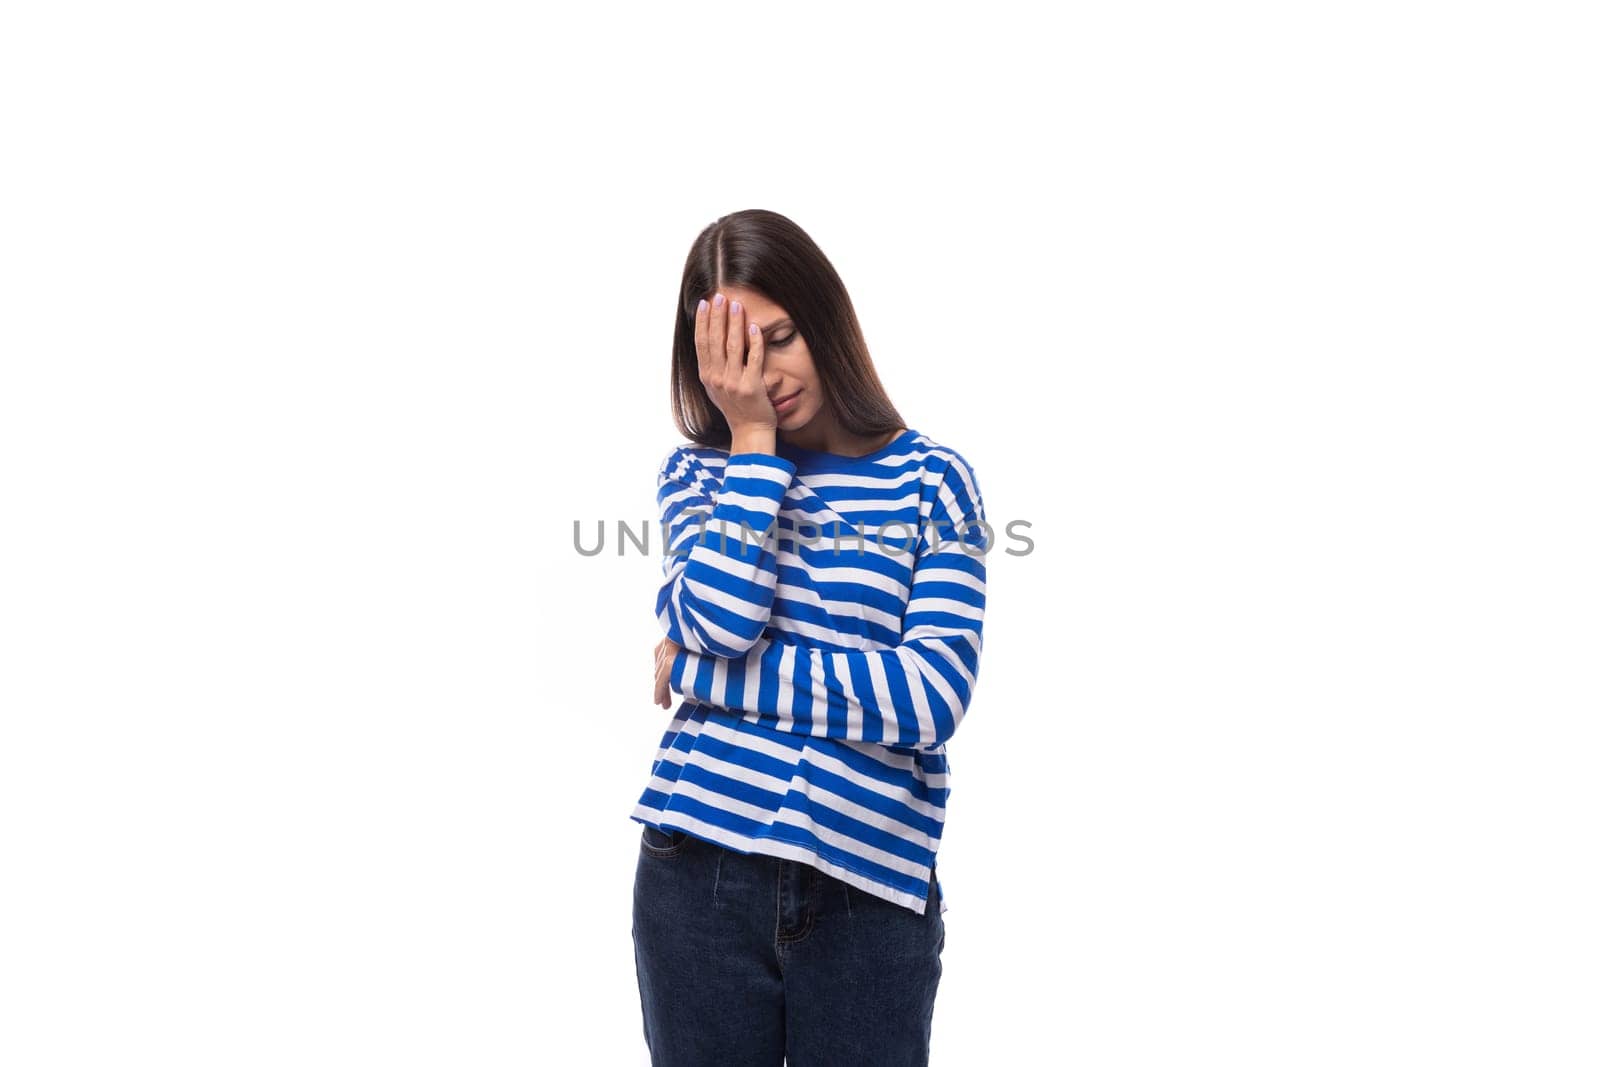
{"x": 767, "y": 252}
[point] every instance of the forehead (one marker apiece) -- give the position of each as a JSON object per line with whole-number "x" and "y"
{"x": 756, "y": 306}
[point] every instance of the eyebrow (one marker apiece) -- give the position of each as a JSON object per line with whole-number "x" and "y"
{"x": 774, "y": 326}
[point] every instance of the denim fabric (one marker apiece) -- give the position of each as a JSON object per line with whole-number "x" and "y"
{"x": 746, "y": 959}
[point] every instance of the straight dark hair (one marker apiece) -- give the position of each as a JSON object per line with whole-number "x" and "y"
{"x": 764, "y": 251}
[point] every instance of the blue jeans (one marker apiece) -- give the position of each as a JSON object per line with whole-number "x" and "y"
{"x": 745, "y": 959}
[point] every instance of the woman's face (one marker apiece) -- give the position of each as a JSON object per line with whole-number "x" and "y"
{"x": 789, "y": 372}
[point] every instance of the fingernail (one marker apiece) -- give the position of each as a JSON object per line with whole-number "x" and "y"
{"x": 702, "y": 306}
{"x": 717, "y": 301}
{"x": 734, "y": 307}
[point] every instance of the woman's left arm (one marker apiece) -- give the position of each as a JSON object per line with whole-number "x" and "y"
{"x": 913, "y": 694}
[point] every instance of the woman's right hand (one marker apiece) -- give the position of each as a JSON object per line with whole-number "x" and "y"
{"x": 735, "y": 383}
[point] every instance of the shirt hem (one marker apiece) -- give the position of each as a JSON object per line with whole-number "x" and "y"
{"x": 763, "y": 846}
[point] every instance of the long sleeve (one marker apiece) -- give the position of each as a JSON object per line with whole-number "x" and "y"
{"x": 719, "y": 577}
{"x": 913, "y": 694}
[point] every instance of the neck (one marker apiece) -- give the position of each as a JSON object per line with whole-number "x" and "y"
{"x": 836, "y": 440}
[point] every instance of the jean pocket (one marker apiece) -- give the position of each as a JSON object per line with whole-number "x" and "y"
{"x": 659, "y": 842}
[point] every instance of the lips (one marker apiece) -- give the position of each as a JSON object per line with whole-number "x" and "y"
{"x": 781, "y": 401}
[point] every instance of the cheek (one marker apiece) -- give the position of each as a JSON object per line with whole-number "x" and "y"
{"x": 802, "y": 368}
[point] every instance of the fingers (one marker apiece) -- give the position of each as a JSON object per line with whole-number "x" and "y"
{"x": 664, "y": 684}
{"x": 734, "y": 342}
{"x": 733, "y": 353}
{"x": 666, "y": 651}
{"x": 709, "y": 351}
{"x": 755, "y": 372}
{"x": 721, "y": 332}
{"x": 717, "y": 333}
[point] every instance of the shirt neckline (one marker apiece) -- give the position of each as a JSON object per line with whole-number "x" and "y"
{"x": 833, "y": 460}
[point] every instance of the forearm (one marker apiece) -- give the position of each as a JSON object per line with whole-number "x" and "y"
{"x": 722, "y": 551}
{"x": 915, "y": 694}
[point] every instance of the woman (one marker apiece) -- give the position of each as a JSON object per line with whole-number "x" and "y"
{"x": 786, "y": 900}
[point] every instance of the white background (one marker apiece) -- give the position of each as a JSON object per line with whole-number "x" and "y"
{"x": 322, "y": 323}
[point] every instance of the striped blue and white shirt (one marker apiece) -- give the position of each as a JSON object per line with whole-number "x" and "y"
{"x": 830, "y": 649}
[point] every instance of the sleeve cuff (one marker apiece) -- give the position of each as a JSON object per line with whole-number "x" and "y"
{"x": 761, "y": 459}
